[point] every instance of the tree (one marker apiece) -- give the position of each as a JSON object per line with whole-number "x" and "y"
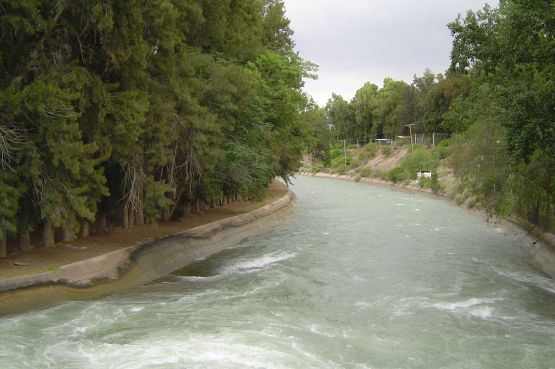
{"x": 341, "y": 117}
{"x": 395, "y": 108}
{"x": 364, "y": 105}
{"x": 511, "y": 50}
{"x": 121, "y": 113}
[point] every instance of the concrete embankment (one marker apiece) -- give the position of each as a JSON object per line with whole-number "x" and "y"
{"x": 132, "y": 266}
{"x": 540, "y": 245}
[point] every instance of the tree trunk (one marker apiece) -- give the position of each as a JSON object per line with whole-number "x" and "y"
{"x": 25, "y": 238}
{"x": 166, "y": 214}
{"x": 176, "y": 203}
{"x": 197, "y": 206}
{"x": 3, "y": 244}
{"x": 85, "y": 230}
{"x": 131, "y": 218}
{"x": 67, "y": 234}
{"x": 186, "y": 208}
{"x": 48, "y": 234}
{"x": 140, "y": 219}
{"x": 125, "y": 218}
{"x": 100, "y": 225}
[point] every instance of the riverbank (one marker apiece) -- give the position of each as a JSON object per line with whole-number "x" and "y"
{"x": 540, "y": 244}
{"x": 98, "y": 266}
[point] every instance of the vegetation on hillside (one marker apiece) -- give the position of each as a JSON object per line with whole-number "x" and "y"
{"x": 125, "y": 112}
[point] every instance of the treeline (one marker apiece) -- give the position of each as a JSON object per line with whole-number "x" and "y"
{"x": 385, "y": 112}
{"x": 431, "y": 103}
{"x": 128, "y": 112}
{"x": 497, "y": 99}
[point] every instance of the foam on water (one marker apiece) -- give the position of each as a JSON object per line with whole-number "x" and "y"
{"x": 536, "y": 280}
{"x": 454, "y": 306}
{"x": 195, "y": 278}
{"x": 196, "y": 351}
{"x": 261, "y": 262}
{"x": 483, "y": 312}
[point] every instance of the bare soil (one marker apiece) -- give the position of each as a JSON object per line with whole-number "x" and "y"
{"x": 383, "y": 162}
{"x": 43, "y": 259}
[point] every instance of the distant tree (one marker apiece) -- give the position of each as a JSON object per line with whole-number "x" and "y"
{"x": 364, "y": 105}
{"x": 318, "y": 132}
{"x": 396, "y": 107}
{"x": 341, "y": 117}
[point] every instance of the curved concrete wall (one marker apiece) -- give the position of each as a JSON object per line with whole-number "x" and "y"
{"x": 136, "y": 265}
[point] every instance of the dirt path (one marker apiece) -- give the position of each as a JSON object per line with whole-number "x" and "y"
{"x": 44, "y": 259}
{"x": 393, "y": 160}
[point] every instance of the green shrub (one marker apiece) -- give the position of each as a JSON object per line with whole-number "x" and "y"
{"x": 444, "y": 149}
{"x": 339, "y": 168}
{"x": 471, "y": 202}
{"x": 364, "y": 171}
{"x": 434, "y": 183}
{"x": 340, "y": 161}
{"x": 386, "y": 150}
{"x": 318, "y": 167}
{"x": 394, "y": 175}
{"x": 367, "y": 152}
{"x": 355, "y": 163}
{"x": 357, "y": 178}
{"x": 337, "y": 158}
{"x": 419, "y": 159}
{"x": 425, "y": 182}
{"x": 459, "y": 198}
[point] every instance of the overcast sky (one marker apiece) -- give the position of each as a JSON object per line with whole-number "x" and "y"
{"x": 358, "y": 41}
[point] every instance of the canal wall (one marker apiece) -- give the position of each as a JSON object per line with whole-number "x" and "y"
{"x": 540, "y": 244}
{"x": 132, "y": 266}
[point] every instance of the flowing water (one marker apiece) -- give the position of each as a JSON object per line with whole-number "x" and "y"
{"x": 356, "y": 277}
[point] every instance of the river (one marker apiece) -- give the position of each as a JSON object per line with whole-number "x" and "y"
{"x": 356, "y": 277}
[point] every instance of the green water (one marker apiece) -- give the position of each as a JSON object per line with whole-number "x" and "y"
{"x": 356, "y": 277}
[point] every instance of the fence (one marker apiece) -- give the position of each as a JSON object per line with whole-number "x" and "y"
{"x": 428, "y": 139}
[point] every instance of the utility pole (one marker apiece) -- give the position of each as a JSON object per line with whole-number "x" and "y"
{"x": 345, "y": 151}
{"x": 411, "y": 142}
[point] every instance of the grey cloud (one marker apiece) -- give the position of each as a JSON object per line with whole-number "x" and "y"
{"x": 355, "y": 41}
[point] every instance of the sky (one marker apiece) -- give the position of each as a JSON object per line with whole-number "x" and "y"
{"x": 358, "y": 41}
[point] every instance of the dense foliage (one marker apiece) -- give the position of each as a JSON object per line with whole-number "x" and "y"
{"x": 125, "y": 112}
